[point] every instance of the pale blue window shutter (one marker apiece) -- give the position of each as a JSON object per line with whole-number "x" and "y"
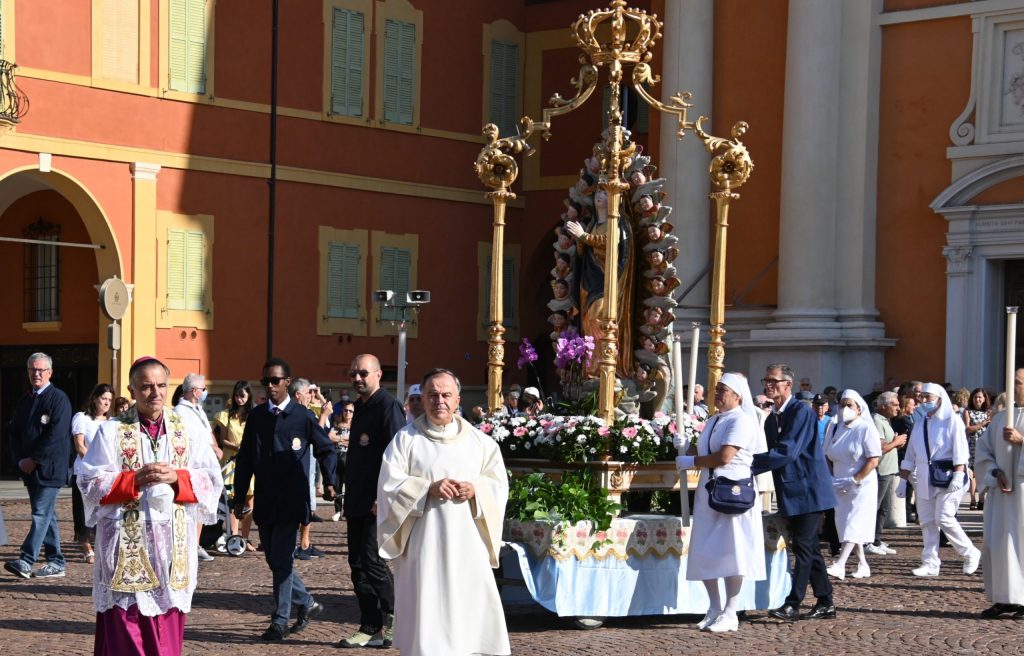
{"x": 399, "y": 71}
{"x": 347, "y": 63}
{"x": 187, "y": 45}
{"x": 504, "y": 79}
{"x": 395, "y": 272}
{"x": 510, "y": 292}
{"x": 343, "y": 281}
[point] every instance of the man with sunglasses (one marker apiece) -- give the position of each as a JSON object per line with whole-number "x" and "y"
{"x": 378, "y": 417}
{"x": 803, "y": 487}
{"x": 276, "y": 447}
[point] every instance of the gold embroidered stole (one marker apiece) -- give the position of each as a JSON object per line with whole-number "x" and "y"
{"x": 134, "y": 571}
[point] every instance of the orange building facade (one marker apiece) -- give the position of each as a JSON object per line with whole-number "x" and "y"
{"x": 146, "y": 151}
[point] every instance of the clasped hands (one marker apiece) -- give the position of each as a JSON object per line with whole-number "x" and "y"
{"x": 1012, "y": 436}
{"x": 451, "y": 489}
{"x": 155, "y": 473}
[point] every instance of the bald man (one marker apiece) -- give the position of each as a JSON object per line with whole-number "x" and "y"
{"x": 377, "y": 418}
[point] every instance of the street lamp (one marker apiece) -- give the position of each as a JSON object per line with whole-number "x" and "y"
{"x": 409, "y": 307}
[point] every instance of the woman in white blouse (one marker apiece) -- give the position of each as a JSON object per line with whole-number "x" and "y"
{"x": 83, "y": 429}
{"x": 853, "y": 448}
{"x": 938, "y": 435}
{"x": 722, "y": 546}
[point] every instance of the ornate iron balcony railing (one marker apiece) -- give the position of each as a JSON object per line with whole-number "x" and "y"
{"x": 13, "y": 101}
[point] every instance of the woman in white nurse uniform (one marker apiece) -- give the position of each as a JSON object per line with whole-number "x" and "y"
{"x": 853, "y": 448}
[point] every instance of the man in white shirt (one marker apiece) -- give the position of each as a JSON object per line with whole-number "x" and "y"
{"x": 190, "y": 409}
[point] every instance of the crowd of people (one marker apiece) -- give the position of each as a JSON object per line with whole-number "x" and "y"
{"x": 423, "y": 495}
{"x": 148, "y": 475}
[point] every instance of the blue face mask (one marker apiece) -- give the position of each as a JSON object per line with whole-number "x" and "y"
{"x": 202, "y": 399}
{"x": 929, "y": 406}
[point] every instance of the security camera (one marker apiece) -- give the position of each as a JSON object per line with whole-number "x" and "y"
{"x": 383, "y": 296}
{"x": 417, "y": 297}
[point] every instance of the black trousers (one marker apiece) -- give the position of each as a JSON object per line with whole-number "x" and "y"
{"x": 371, "y": 578}
{"x": 82, "y": 532}
{"x": 808, "y": 563}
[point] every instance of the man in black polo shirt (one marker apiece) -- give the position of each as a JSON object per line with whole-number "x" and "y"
{"x": 377, "y": 418}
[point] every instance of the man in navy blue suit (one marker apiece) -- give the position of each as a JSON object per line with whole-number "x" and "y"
{"x": 41, "y": 448}
{"x": 803, "y": 487}
{"x": 279, "y": 436}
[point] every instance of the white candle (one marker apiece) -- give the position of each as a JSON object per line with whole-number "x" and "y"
{"x": 693, "y": 368}
{"x": 677, "y": 382}
{"x": 1011, "y": 357}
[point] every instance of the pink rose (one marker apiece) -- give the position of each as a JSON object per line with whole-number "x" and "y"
{"x": 519, "y": 432}
{"x": 629, "y": 431}
{"x": 603, "y": 431}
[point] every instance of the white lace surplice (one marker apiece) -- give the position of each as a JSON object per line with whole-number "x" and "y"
{"x": 97, "y": 473}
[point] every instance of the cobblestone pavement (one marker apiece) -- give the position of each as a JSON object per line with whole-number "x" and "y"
{"x": 888, "y": 613}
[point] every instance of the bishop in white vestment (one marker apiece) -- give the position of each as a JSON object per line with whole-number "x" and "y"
{"x": 998, "y": 466}
{"x": 441, "y": 502}
{"x": 146, "y": 480}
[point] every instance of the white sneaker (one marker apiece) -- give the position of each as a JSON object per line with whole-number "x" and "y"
{"x": 835, "y": 570}
{"x": 336, "y": 517}
{"x": 725, "y": 622}
{"x": 877, "y": 550}
{"x": 888, "y": 550}
{"x": 972, "y": 561}
{"x": 203, "y": 556}
{"x": 924, "y": 570}
{"x": 708, "y": 620}
{"x": 863, "y": 572}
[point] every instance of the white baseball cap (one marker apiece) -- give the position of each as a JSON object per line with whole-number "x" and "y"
{"x": 414, "y": 390}
{"x": 532, "y": 392}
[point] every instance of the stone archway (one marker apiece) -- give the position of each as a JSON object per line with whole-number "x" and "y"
{"x": 19, "y": 182}
{"x": 983, "y": 240}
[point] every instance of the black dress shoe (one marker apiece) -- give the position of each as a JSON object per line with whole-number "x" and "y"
{"x": 305, "y": 615}
{"x": 275, "y": 632}
{"x": 996, "y": 610}
{"x": 821, "y": 612}
{"x": 787, "y": 613}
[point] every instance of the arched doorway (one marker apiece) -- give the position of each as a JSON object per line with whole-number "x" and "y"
{"x": 57, "y": 245}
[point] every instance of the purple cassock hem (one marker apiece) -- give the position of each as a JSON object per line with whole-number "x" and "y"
{"x": 121, "y": 632}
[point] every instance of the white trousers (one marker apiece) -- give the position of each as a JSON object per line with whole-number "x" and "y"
{"x": 939, "y": 512}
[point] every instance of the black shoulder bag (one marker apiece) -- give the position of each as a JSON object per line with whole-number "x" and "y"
{"x": 728, "y": 496}
{"x": 940, "y": 472}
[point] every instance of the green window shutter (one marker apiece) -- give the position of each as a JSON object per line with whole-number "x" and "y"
{"x": 175, "y": 269}
{"x": 120, "y": 40}
{"x": 347, "y": 63}
{"x": 399, "y": 71}
{"x": 504, "y": 83}
{"x": 195, "y": 270}
{"x": 343, "y": 282}
{"x": 187, "y": 45}
{"x": 395, "y": 272}
{"x": 177, "y": 43}
{"x": 510, "y": 292}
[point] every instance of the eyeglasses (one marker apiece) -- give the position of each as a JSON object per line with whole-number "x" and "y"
{"x": 267, "y": 381}
{"x": 359, "y": 373}
{"x": 771, "y": 382}
{"x": 39, "y": 372}
{"x": 766, "y": 405}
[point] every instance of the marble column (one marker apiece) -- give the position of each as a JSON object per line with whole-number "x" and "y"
{"x": 807, "y": 231}
{"x": 688, "y": 65}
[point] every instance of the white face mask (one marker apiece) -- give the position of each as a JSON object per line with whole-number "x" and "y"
{"x": 849, "y": 414}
